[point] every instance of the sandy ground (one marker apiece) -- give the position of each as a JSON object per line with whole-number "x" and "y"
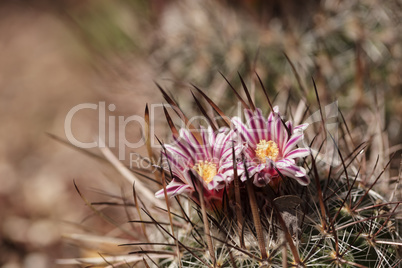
{"x": 45, "y": 71}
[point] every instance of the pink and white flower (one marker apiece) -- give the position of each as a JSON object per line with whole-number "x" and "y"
{"x": 209, "y": 161}
{"x": 269, "y": 147}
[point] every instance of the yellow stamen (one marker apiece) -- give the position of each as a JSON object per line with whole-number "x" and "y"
{"x": 267, "y": 149}
{"x": 206, "y": 169}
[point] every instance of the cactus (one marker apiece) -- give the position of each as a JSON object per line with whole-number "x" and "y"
{"x": 252, "y": 195}
{"x": 336, "y": 216}
{"x": 245, "y": 209}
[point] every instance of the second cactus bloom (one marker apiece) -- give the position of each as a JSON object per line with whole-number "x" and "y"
{"x": 269, "y": 149}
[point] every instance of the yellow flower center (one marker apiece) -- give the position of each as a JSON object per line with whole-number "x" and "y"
{"x": 267, "y": 149}
{"x": 206, "y": 169}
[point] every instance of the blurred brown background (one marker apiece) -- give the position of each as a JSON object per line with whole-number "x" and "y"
{"x": 57, "y": 54}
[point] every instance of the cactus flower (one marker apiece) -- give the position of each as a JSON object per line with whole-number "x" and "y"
{"x": 269, "y": 147}
{"x": 209, "y": 161}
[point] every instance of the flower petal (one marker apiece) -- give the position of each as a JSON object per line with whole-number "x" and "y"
{"x": 281, "y": 133}
{"x": 186, "y": 148}
{"x": 174, "y": 188}
{"x": 175, "y": 151}
{"x": 243, "y": 131}
{"x": 295, "y": 172}
{"x": 294, "y": 139}
{"x": 300, "y": 128}
{"x": 205, "y": 136}
{"x": 218, "y": 182}
{"x": 175, "y": 163}
{"x": 257, "y": 124}
{"x": 298, "y": 153}
{"x": 188, "y": 137}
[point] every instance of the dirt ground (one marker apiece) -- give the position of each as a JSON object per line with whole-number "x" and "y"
{"x": 45, "y": 70}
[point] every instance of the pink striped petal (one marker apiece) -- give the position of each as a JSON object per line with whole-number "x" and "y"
{"x": 291, "y": 143}
{"x": 270, "y": 127}
{"x": 206, "y": 147}
{"x": 175, "y": 163}
{"x": 272, "y": 118}
{"x": 189, "y": 138}
{"x": 295, "y": 172}
{"x": 218, "y": 182}
{"x": 175, "y": 151}
{"x": 301, "y": 127}
{"x": 243, "y": 131}
{"x": 262, "y": 125}
{"x": 256, "y": 122}
{"x": 174, "y": 188}
{"x": 281, "y": 133}
{"x": 186, "y": 148}
{"x": 248, "y": 114}
{"x": 298, "y": 153}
